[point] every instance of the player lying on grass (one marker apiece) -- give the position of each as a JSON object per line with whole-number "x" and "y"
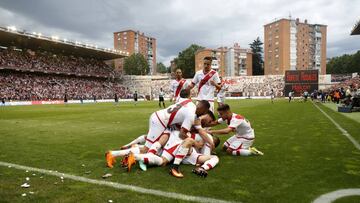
{"x": 239, "y": 144}
{"x": 192, "y": 150}
{"x": 180, "y": 151}
{"x": 134, "y": 146}
{"x": 183, "y": 114}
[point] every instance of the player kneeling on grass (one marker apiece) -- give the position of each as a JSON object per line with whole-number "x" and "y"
{"x": 239, "y": 144}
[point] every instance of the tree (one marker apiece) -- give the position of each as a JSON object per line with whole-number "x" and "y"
{"x": 186, "y": 60}
{"x": 344, "y": 64}
{"x": 257, "y": 60}
{"x": 161, "y": 68}
{"x": 136, "y": 64}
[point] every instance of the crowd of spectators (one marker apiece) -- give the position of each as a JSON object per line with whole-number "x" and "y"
{"x": 345, "y": 92}
{"x": 50, "y": 63}
{"x": 246, "y": 85}
{"x": 30, "y": 86}
{"x": 257, "y": 85}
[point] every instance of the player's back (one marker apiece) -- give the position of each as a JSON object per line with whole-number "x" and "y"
{"x": 177, "y": 113}
{"x": 242, "y": 125}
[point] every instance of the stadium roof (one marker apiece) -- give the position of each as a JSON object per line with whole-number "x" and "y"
{"x": 10, "y": 36}
{"x": 356, "y": 29}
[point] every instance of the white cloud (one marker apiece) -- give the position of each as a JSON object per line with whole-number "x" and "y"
{"x": 178, "y": 23}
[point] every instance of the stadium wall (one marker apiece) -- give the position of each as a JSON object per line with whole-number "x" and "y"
{"x": 240, "y": 86}
{"x": 26, "y": 103}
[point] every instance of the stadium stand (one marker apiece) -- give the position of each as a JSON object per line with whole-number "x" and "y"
{"x": 20, "y": 86}
{"x": 34, "y": 67}
{"x": 51, "y": 63}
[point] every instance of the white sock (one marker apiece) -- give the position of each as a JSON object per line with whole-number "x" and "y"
{"x": 155, "y": 148}
{"x": 211, "y": 163}
{"x": 138, "y": 140}
{"x": 241, "y": 152}
{"x": 149, "y": 158}
{"x": 180, "y": 155}
{"x": 135, "y": 150}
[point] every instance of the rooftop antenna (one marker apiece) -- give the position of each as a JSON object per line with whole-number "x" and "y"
{"x": 289, "y": 15}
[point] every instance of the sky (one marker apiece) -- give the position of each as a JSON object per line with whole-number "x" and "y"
{"x": 176, "y": 24}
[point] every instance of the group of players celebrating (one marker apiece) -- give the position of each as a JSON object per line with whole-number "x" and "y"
{"x": 182, "y": 134}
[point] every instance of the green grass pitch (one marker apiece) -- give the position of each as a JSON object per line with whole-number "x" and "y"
{"x": 305, "y": 155}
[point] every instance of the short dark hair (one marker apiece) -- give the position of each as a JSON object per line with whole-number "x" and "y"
{"x": 211, "y": 114}
{"x": 205, "y": 103}
{"x": 185, "y": 93}
{"x": 224, "y": 107}
{"x": 216, "y": 141}
{"x": 208, "y": 58}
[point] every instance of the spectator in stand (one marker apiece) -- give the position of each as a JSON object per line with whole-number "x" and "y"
{"x": 337, "y": 96}
{"x": 22, "y": 86}
{"x": 48, "y": 62}
{"x": 3, "y": 101}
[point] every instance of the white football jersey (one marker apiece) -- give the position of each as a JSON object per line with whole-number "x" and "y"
{"x": 240, "y": 124}
{"x": 184, "y": 114}
{"x": 207, "y": 90}
{"x": 174, "y": 139}
{"x": 174, "y": 85}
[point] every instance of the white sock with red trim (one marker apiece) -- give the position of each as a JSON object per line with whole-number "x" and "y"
{"x": 180, "y": 155}
{"x": 138, "y": 140}
{"x": 149, "y": 158}
{"x": 241, "y": 152}
{"x": 155, "y": 148}
{"x": 211, "y": 163}
{"x": 135, "y": 149}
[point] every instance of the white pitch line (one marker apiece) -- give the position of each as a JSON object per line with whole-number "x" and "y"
{"x": 116, "y": 185}
{"x": 344, "y": 132}
{"x": 332, "y": 196}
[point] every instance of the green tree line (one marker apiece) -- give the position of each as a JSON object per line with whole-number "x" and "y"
{"x": 347, "y": 63}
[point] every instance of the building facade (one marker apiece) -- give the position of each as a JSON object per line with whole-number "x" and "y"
{"x": 218, "y": 53}
{"x": 238, "y": 61}
{"x": 292, "y": 45}
{"x": 233, "y": 61}
{"x": 135, "y": 42}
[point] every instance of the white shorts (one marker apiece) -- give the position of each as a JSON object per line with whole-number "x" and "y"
{"x": 239, "y": 142}
{"x": 221, "y": 100}
{"x": 156, "y": 129}
{"x": 192, "y": 158}
{"x": 171, "y": 145}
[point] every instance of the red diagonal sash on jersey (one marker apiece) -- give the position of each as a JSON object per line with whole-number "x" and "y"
{"x": 181, "y": 84}
{"x": 178, "y": 106}
{"x": 206, "y": 78}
